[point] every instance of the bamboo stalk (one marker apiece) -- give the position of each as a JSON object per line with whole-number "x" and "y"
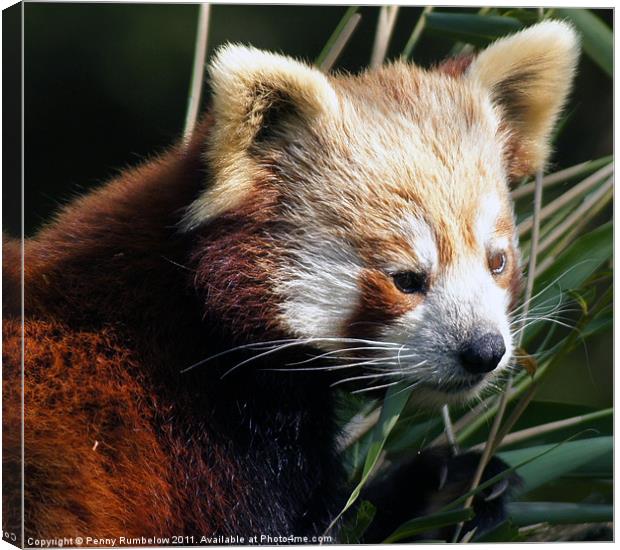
{"x": 385, "y": 29}
{"x": 460, "y": 426}
{"x": 583, "y": 187}
{"x": 338, "y": 40}
{"x": 475, "y": 422}
{"x": 533, "y": 387}
{"x": 561, "y": 176}
{"x": 576, "y": 229}
{"x": 195, "y": 88}
{"x": 543, "y": 429}
{"x": 415, "y": 34}
{"x": 519, "y": 409}
{"x": 576, "y": 215}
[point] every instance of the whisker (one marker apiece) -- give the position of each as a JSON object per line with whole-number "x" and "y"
{"x": 372, "y": 388}
{"x": 334, "y": 352}
{"x": 364, "y": 377}
{"x": 296, "y": 341}
{"x": 333, "y": 367}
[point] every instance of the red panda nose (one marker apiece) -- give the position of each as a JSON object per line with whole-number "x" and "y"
{"x": 483, "y": 354}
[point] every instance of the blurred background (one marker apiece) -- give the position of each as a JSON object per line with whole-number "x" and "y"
{"x": 106, "y": 86}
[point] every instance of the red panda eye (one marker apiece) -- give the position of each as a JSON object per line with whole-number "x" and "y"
{"x": 497, "y": 263}
{"x": 410, "y": 282}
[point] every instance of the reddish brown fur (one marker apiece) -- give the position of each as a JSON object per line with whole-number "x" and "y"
{"x": 119, "y": 467}
{"x": 380, "y": 303}
{"x": 234, "y": 261}
{"x": 518, "y": 153}
{"x": 445, "y": 247}
{"x": 118, "y": 485}
{"x": 456, "y": 66}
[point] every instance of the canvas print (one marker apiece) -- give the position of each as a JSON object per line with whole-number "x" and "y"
{"x": 302, "y": 274}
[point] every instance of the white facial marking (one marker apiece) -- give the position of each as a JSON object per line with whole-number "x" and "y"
{"x": 497, "y": 244}
{"x": 490, "y": 209}
{"x": 421, "y": 239}
{"x": 320, "y": 285}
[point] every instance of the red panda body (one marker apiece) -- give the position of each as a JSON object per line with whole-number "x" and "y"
{"x": 316, "y": 216}
{"x": 132, "y": 446}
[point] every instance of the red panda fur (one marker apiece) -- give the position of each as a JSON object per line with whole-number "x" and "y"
{"x": 116, "y": 443}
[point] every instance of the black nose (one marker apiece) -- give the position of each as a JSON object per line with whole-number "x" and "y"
{"x": 483, "y": 353}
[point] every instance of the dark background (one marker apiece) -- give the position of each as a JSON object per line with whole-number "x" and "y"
{"x": 106, "y": 86}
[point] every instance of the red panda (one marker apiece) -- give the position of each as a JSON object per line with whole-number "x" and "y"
{"x": 310, "y": 215}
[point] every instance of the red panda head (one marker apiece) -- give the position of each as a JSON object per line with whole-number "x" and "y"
{"x": 373, "y": 210}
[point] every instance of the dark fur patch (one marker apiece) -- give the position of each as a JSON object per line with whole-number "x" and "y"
{"x": 234, "y": 259}
{"x": 380, "y": 303}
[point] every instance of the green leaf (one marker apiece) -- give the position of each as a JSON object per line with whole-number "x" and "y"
{"x": 526, "y": 16}
{"x": 596, "y": 37}
{"x": 558, "y": 461}
{"x": 393, "y": 405}
{"x": 580, "y": 260}
{"x": 528, "y": 459}
{"x": 471, "y": 28}
{"x": 504, "y": 532}
{"x": 558, "y": 513}
{"x": 427, "y": 523}
{"x": 600, "y": 468}
{"x": 598, "y": 325}
{"x": 353, "y": 531}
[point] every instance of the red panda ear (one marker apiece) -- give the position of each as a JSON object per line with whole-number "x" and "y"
{"x": 529, "y": 75}
{"x": 254, "y": 94}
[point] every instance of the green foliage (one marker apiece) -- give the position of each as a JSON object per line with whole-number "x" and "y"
{"x": 554, "y": 461}
{"x": 427, "y": 523}
{"x": 531, "y": 513}
{"x": 596, "y": 37}
{"x": 471, "y": 28}
{"x": 352, "y": 531}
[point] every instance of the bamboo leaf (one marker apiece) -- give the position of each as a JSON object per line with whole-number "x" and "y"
{"x": 427, "y": 523}
{"x": 393, "y": 405}
{"x": 598, "y": 325}
{"x": 558, "y": 513}
{"x": 557, "y": 460}
{"x": 474, "y": 29}
{"x": 581, "y": 259}
{"x": 600, "y": 468}
{"x": 353, "y": 531}
{"x": 504, "y": 532}
{"x": 536, "y": 454}
{"x": 596, "y": 37}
